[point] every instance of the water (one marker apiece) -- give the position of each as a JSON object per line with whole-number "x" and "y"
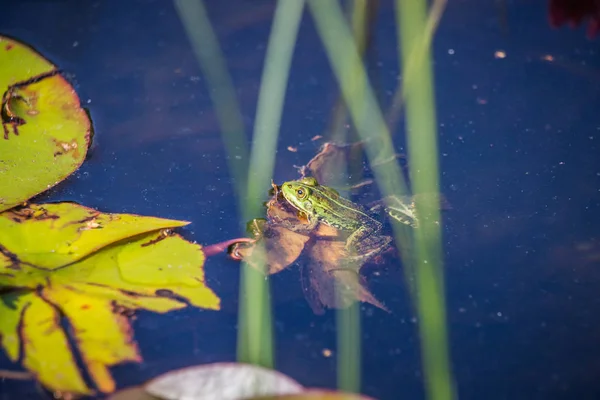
{"x": 518, "y": 141}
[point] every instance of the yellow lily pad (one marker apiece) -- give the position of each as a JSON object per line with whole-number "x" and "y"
{"x": 126, "y": 263}
{"x": 45, "y": 132}
{"x": 50, "y": 236}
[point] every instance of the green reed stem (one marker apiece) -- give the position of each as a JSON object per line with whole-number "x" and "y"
{"x": 415, "y": 59}
{"x": 348, "y": 320}
{"x": 411, "y": 17}
{"x": 255, "y": 339}
{"x": 205, "y": 44}
{"x": 361, "y": 15}
{"x": 344, "y": 57}
{"x": 255, "y": 336}
{"x": 349, "y": 348}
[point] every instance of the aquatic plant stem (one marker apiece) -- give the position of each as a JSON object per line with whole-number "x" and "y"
{"x": 349, "y": 348}
{"x": 415, "y": 58}
{"x": 359, "y": 96}
{"x": 205, "y": 44}
{"x": 255, "y": 337}
{"x": 344, "y": 57}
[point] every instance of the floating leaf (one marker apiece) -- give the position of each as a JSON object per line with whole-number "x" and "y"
{"x": 328, "y": 166}
{"x": 134, "y": 264}
{"x": 45, "y": 134}
{"x": 222, "y": 381}
{"x": 51, "y": 236}
{"x": 99, "y": 348}
{"x": 326, "y": 269}
{"x": 46, "y": 349}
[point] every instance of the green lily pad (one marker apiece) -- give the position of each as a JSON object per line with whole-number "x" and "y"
{"x": 45, "y": 133}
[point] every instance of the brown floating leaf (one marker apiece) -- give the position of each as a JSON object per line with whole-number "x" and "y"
{"x": 328, "y": 166}
{"x": 327, "y": 266}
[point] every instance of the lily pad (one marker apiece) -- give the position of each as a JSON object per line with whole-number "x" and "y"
{"x": 134, "y": 264}
{"x": 46, "y": 132}
{"x": 51, "y": 236}
{"x": 222, "y": 381}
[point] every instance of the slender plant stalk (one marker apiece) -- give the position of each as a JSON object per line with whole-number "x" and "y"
{"x": 349, "y": 348}
{"x": 357, "y": 92}
{"x": 362, "y": 16}
{"x": 205, "y": 44}
{"x": 415, "y": 58}
{"x": 368, "y": 119}
{"x": 344, "y": 56}
{"x": 414, "y": 61}
{"x": 255, "y": 337}
{"x": 255, "y": 341}
{"x": 348, "y": 320}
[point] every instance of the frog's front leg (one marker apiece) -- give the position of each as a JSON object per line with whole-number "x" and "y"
{"x": 298, "y": 226}
{"x": 355, "y": 240}
{"x": 367, "y": 247}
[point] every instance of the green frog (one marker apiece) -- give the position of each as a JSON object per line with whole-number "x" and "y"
{"x": 322, "y": 204}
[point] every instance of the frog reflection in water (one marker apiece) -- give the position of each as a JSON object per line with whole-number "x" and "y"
{"x": 322, "y": 204}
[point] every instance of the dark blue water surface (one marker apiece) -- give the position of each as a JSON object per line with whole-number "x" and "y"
{"x": 519, "y": 145}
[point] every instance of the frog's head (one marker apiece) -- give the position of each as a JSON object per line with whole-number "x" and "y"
{"x": 298, "y": 194}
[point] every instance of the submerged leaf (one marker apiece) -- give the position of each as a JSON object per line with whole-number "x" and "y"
{"x": 46, "y": 133}
{"x": 326, "y": 269}
{"x": 328, "y": 166}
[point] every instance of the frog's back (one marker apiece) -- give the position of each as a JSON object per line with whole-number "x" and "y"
{"x": 340, "y": 213}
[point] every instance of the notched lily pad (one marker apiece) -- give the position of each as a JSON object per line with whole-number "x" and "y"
{"x": 45, "y": 132}
{"x": 50, "y": 236}
{"x": 115, "y": 264}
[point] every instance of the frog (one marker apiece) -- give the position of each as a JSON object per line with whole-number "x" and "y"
{"x": 316, "y": 203}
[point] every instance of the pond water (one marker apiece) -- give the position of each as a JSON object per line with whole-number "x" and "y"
{"x": 519, "y": 135}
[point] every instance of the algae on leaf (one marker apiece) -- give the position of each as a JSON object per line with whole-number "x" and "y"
{"x": 45, "y": 133}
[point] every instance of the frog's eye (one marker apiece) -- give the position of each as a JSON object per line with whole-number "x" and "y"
{"x": 301, "y": 193}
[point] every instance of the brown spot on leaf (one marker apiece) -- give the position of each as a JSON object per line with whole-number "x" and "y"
{"x": 66, "y": 148}
{"x": 165, "y": 233}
